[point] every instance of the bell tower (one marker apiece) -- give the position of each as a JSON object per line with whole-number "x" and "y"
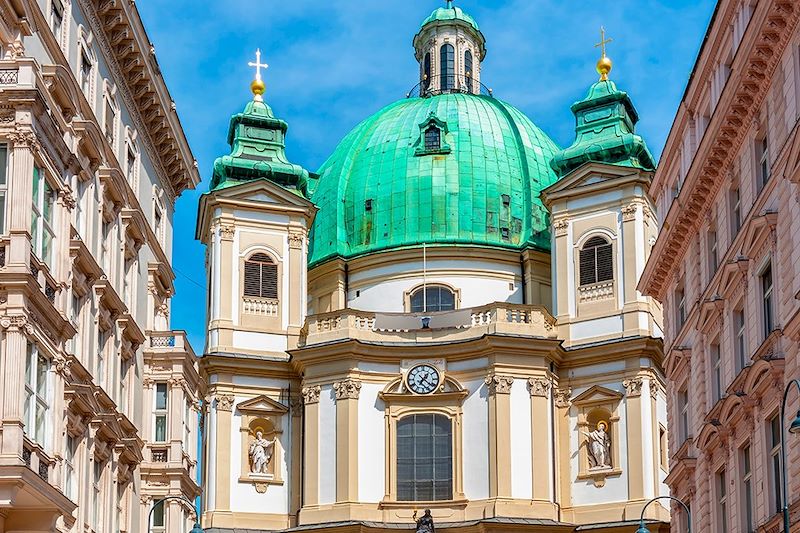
{"x": 450, "y": 49}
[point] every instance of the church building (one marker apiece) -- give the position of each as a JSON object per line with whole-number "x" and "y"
{"x": 444, "y": 316}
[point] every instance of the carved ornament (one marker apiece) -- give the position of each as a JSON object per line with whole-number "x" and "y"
{"x": 562, "y": 397}
{"x": 226, "y": 232}
{"x": 296, "y": 241}
{"x": 225, "y": 402}
{"x": 498, "y": 384}
{"x": 633, "y": 387}
{"x": 311, "y": 394}
{"x": 560, "y": 227}
{"x": 347, "y": 389}
{"x": 539, "y": 387}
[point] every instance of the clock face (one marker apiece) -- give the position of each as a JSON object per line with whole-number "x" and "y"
{"x": 423, "y": 379}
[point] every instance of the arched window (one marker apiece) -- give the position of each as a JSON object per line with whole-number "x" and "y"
{"x": 433, "y": 139}
{"x": 597, "y": 263}
{"x": 426, "y": 67}
{"x": 468, "y": 70}
{"x": 260, "y": 277}
{"x": 447, "y": 63}
{"x": 424, "y": 458}
{"x": 432, "y": 298}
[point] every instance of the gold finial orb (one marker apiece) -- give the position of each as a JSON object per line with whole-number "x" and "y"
{"x": 604, "y": 66}
{"x": 258, "y": 87}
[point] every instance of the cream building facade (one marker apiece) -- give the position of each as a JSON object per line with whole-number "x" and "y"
{"x": 725, "y": 266}
{"x": 100, "y": 400}
{"x": 444, "y": 316}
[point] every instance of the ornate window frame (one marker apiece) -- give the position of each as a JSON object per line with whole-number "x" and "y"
{"x": 410, "y": 292}
{"x": 265, "y": 414}
{"x": 263, "y": 314}
{"x": 432, "y": 122}
{"x": 602, "y": 291}
{"x": 399, "y": 402}
{"x": 598, "y": 399}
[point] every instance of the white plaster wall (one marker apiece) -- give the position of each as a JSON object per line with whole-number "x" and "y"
{"x": 244, "y": 497}
{"x": 210, "y": 496}
{"x": 480, "y": 283}
{"x": 661, "y": 414}
{"x": 267, "y": 342}
{"x": 327, "y": 445}
{"x": 648, "y": 460}
{"x": 267, "y": 383}
{"x": 616, "y": 488}
{"x": 371, "y": 444}
{"x": 521, "y": 441}
{"x": 611, "y": 325}
{"x": 598, "y": 369}
{"x": 476, "y": 441}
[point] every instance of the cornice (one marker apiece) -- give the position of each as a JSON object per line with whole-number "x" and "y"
{"x": 743, "y": 95}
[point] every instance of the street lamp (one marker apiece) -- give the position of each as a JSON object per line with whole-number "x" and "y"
{"x": 794, "y": 429}
{"x": 195, "y": 529}
{"x": 643, "y": 528}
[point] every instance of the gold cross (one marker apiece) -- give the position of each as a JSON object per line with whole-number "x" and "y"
{"x": 603, "y": 41}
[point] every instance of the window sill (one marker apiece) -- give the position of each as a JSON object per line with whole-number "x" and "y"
{"x": 436, "y": 504}
{"x": 444, "y": 150}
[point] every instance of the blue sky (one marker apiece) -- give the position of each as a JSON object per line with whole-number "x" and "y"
{"x": 333, "y": 63}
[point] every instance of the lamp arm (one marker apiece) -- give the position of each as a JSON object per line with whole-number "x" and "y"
{"x": 686, "y": 507}
{"x": 182, "y": 498}
{"x": 784, "y": 470}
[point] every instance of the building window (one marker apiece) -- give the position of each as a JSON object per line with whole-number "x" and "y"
{"x": 774, "y": 445}
{"x": 740, "y": 342}
{"x": 468, "y": 70}
{"x": 683, "y": 414}
{"x": 187, "y": 425}
{"x": 596, "y": 261}
{"x": 161, "y": 412}
{"x": 433, "y": 298}
{"x": 716, "y": 372}
{"x": 260, "y": 277}
{"x": 44, "y": 198}
{"x": 762, "y": 152}
{"x": 110, "y": 121}
{"x": 722, "y": 501}
{"x": 447, "y": 66}
{"x": 426, "y": 75}
{"x": 766, "y": 300}
{"x": 713, "y": 256}
{"x": 123, "y": 387}
{"x": 736, "y": 211}
{"x": 100, "y": 366}
{"x": 158, "y": 514}
{"x": 433, "y": 139}
{"x": 85, "y": 73}
{"x": 158, "y": 223}
{"x": 747, "y": 489}
{"x": 680, "y": 307}
{"x": 57, "y": 19}
{"x": 70, "y": 451}
{"x": 3, "y": 185}
{"x": 131, "y": 164}
{"x": 97, "y": 496}
{"x": 663, "y": 447}
{"x": 37, "y": 395}
{"x": 424, "y": 458}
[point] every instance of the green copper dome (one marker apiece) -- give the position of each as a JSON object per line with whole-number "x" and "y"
{"x": 450, "y": 13}
{"x": 390, "y": 185}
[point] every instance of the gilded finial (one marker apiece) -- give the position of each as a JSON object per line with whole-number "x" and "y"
{"x": 604, "y": 64}
{"x": 257, "y": 86}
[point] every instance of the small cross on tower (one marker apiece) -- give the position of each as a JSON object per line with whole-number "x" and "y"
{"x": 603, "y": 41}
{"x": 258, "y": 87}
{"x": 604, "y": 64}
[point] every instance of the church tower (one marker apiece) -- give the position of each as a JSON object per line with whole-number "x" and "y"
{"x": 254, "y": 222}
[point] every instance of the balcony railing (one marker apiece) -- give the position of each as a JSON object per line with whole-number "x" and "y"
{"x": 449, "y": 85}
{"x": 167, "y": 340}
{"x": 260, "y": 306}
{"x": 460, "y": 324}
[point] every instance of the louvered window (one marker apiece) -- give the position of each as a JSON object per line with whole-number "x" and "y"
{"x": 260, "y": 277}
{"x": 597, "y": 261}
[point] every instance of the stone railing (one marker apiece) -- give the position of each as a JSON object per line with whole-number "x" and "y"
{"x": 596, "y": 291}
{"x": 167, "y": 340}
{"x": 260, "y": 306}
{"x": 529, "y": 320}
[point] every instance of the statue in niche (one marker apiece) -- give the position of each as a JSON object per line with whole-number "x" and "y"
{"x": 425, "y": 522}
{"x": 261, "y": 453}
{"x": 599, "y": 445}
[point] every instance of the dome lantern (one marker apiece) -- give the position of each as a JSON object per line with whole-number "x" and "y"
{"x": 450, "y": 48}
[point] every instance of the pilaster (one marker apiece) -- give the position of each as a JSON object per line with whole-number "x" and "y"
{"x": 224, "y": 406}
{"x": 541, "y": 464}
{"x": 347, "y": 393}
{"x": 499, "y": 389}
{"x": 13, "y": 367}
{"x": 311, "y": 442}
{"x": 633, "y": 409}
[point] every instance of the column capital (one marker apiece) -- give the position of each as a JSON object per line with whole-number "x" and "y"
{"x": 562, "y": 397}
{"x": 347, "y": 389}
{"x": 226, "y": 231}
{"x": 225, "y": 402}
{"x": 311, "y": 394}
{"x": 498, "y": 384}
{"x": 295, "y": 240}
{"x": 539, "y": 387}
{"x": 633, "y": 387}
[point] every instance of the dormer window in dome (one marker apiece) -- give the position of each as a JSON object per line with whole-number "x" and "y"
{"x": 431, "y": 139}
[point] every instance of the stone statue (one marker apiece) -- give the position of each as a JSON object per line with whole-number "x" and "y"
{"x": 261, "y": 453}
{"x": 425, "y": 522}
{"x": 599, "y": 444}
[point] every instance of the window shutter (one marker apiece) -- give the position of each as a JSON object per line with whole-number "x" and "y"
{"x": 269, "y": 280}
{"x": 260, "y": 277}
{"x": 605, "y": 263}
{"x": 596, "y": 261}
{"x": 587, "y": 261}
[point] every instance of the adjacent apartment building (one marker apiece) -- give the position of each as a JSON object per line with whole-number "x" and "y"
{"x": 99, "y": 400}
{"x": 726, "y": 268}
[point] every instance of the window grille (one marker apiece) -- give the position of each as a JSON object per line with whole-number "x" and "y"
{"x": 433, "y": 139}
{"x": 424, "y": 458}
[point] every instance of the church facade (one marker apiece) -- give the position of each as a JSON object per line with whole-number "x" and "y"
{"x": 443, "y": 317}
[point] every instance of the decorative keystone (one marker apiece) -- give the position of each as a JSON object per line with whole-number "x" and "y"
{"x": 498, "y": 384}
{"x": 347, "y": 389}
